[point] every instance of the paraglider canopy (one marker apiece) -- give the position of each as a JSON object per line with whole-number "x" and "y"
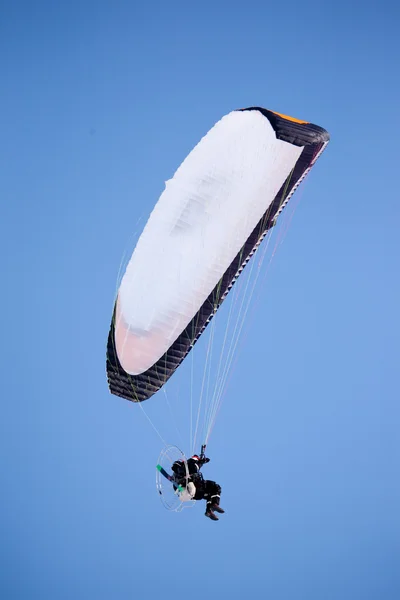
{"x": 207, "y": 223}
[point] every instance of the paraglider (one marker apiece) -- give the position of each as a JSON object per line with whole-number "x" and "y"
{"x": 207, "y": 224}
{"x": 196, "y": 486}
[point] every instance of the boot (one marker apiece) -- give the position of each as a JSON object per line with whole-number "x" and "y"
{"x": 215, "y": 505}
{"x": 209, "y": 512}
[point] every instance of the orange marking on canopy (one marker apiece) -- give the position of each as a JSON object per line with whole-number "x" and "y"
{"x": 290, "y": 118}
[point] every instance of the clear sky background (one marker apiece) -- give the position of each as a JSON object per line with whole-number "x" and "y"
{"x": 100, "y": 102}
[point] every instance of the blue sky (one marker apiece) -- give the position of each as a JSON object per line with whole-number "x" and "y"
{"x": 100, "y": 103}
